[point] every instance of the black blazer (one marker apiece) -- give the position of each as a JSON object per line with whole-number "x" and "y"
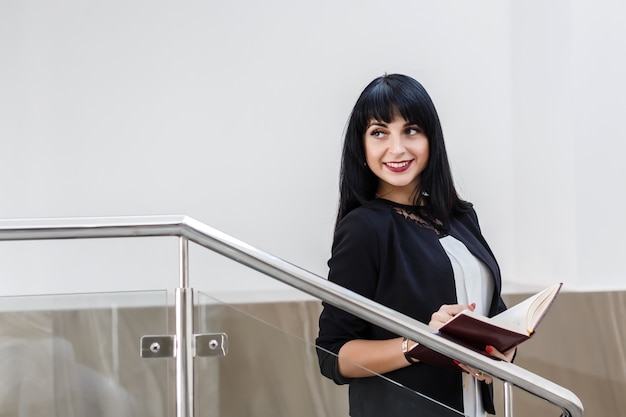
{"x": 384, "y": 256}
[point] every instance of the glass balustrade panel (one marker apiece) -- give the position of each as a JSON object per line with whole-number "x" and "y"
{"x": 79, "y": 355}
{"x": 271, "y": 368}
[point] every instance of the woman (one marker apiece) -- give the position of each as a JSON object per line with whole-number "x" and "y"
{"x": 406, "y": 240}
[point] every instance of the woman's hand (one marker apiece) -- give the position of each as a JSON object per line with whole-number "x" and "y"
{"x": 446, "y": 312}
{"x": 481, "y": 376}
{"x": 506, "y": 356}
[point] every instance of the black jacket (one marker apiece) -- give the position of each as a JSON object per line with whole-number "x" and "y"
{"x": 380, "y": 254}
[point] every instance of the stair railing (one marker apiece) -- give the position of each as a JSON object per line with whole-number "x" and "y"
{"x": 188, "y": 229}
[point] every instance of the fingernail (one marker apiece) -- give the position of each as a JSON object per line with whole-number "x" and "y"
{"x": 473, "y": 306}
{"x": 457, "y": 362}
{"x": 489, "y": 349}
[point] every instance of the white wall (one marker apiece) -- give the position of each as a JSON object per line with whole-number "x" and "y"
{"x": 233, "y": 112}
{"x": 568, "y": 89}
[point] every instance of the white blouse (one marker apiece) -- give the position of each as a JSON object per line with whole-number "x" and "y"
{"x": 474, "y": 284}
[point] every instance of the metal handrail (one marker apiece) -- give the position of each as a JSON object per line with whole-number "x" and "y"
{"x": 210, "y": 238}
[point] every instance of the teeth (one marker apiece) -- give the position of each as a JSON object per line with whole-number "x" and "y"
{"x": 398, "y": 164}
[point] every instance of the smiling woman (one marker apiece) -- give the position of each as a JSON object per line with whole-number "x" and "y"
{"x": 406, "y": 240}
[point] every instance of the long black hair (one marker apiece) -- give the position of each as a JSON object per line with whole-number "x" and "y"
{"x": 381, "y": 100}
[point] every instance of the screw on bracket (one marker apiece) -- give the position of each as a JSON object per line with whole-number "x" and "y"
{"x": 211, "y": 344}
{"x": 157, "y": 346}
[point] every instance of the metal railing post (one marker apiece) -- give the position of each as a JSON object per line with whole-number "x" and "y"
{"x": 184, "y": 337}
{"x": 508, "y": 399}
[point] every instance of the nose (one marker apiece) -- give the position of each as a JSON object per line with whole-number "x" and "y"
{"x": 396, "y": 144}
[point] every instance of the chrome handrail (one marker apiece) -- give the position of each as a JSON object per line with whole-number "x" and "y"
{"x": 292, "y": 275}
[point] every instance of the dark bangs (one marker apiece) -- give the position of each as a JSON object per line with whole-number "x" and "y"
{"x": 390, "y": 95}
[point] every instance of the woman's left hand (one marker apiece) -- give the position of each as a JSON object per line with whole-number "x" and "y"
{"x": 506, "y": 356}
{"x": 481, "y": 376}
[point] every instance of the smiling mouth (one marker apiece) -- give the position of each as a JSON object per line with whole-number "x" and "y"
{"x": 398, "y": 166}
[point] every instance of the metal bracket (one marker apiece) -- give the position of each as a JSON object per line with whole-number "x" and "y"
{"x": 163, "y": 346}
{"x": 211, "y": 344}
{"x": 158, "y": 346}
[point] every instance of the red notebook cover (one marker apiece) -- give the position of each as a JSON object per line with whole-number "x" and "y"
{"x": 478, "y": 334}
{"x": 471, "y": 333}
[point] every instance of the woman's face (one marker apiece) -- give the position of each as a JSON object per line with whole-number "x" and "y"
{"x": 397, "y": 153}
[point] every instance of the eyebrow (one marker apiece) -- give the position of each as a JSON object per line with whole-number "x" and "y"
{"x": 376, "y": 123}
{"x": 383, "y": 124}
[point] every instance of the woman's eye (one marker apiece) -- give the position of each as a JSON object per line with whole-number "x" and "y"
{"x": 378, "y": 134}
{"x": 413, "y": 130}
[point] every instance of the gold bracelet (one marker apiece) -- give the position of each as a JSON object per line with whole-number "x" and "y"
{"x": 405, "y": 351}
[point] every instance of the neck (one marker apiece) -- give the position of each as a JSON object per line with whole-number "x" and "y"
{"x": 398, "y": 196}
